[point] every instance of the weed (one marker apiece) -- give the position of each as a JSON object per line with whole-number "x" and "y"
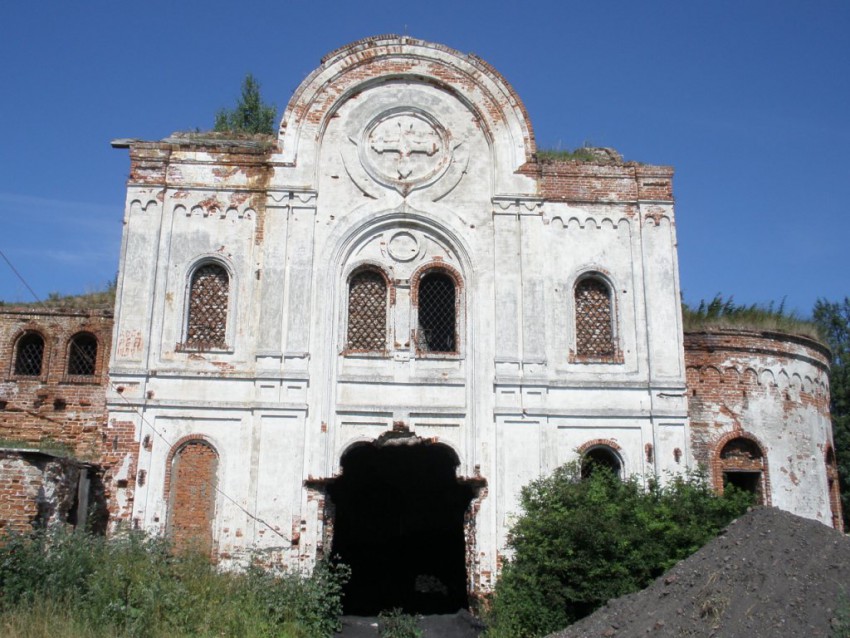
{"x": 394, "y": 623}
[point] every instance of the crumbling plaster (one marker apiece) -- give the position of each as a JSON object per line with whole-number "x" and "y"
{"x": 402, "y": 155}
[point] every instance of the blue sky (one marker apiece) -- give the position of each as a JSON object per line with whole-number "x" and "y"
{"x": 749, "y": 101}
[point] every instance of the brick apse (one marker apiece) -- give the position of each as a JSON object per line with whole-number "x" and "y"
{"x": 363, "y": 336}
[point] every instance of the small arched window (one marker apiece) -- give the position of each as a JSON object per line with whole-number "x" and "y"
{"x": 601, "y": 457}
{"x": 206, "y": 324}
{"x": 742, "y": 465}
{"x": 367, "y": 311}
{"x": 437, "y": 313}
{"x": 82, "y": 355}
{"x": 594, "y": 319}
{"x": 29, "y": 355}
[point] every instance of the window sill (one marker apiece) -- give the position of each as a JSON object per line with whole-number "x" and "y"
{"x": 192, "y": 349}
{"x": 80, "y": 379}
{"x": 365, "y": 354}
{"x": 445, "y": 356}
{"x": 38, "y": 378}
{"x": 614, "y": 359}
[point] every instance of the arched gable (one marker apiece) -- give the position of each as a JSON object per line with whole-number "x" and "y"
{"x": 352, "y": 70}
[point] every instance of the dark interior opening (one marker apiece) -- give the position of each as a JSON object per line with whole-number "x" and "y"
{"x": 600, "y": 457}
{"x": 399, "y": 526}
{"x": 747, "y": 481}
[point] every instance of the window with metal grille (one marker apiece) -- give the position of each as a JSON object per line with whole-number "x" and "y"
{"x": 367, "y": 311}
{"x": 437, "y": 313}
{"x": 82, "y": 355}
{"x": 594, "y": 324}
{"x": 30, "y": 355}
{"x": 206, "y": 326}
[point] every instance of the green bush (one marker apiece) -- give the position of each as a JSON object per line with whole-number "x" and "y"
{"x": 134, "y": 585}
{"x": 580, "y": 542}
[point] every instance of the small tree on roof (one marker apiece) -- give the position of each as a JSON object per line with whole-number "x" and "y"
{"x": 251, "y": 115}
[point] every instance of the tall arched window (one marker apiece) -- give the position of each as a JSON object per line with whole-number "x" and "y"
{"x": 367, "y": 311}
{"x": 82, "y": 355}
{"x": 594, "y": 319}
{"x": 437, "y": 313}
{"x": 29, "y": 355}
{"x": 206, "y": 323}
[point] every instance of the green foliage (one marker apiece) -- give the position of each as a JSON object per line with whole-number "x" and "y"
{"x": 581, "y": 154}
{"x": 133, "y": 585}
{"x": 841, "y": 622}
{"x": 725, "y": 313}
{"x": 251, "y": 115}
{"x": 833, "y": 319}
{"x": 396, "y": 624}
{"x": 95, "y": 300}
{"x": 579, "y": 543}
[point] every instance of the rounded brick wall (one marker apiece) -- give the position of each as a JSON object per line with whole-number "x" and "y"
{"x": 771, "y": 389}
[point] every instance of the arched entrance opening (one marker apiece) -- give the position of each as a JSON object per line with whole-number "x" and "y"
{"x": 600, "y": 457}
{"x": 742, "y": 465}
{"x": 399, "y": 525}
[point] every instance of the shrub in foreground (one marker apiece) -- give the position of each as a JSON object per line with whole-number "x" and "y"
{"x": 134, "y": 585}
{"x": 580, "y": 542}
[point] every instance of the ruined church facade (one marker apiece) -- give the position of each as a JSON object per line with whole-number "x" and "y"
{"x": 395, "y": 305}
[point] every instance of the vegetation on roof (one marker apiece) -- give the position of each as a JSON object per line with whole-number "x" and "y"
{"x": 251, "y": 114}
{"x": 721, "y": 312}
{"x": 97, "y": 300}
{"x": 585, "y": 153}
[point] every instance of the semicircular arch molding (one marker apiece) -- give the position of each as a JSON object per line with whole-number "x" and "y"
{"x": 355, "y": 68}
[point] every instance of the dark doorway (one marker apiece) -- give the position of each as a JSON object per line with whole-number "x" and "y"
{"x": 399, "y": 526}
{"x": 746, "y": 481}
{"x": 600, "y": 457}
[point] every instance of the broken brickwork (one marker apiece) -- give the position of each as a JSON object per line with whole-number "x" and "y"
{"x": 53, "y": 415}
{"x": 759, "y": 410}
{"x": 400, "y": 257}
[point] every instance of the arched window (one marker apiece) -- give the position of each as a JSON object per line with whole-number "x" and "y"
{"x": 82, "y": 355}
{"x": 192, "y": 481}
{"x": 367, "y": 311}
{"x": 437, "y": 313}
{"x": 742, "y": 465}
{"x": 206, "y": 324}
{"x": 594, "y": 319}
{"x": 600, "y": 457}
{"x": 29, "y": 355}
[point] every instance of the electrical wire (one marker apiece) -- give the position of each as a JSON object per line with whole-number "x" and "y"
{"x": 19, "y": 276}
{"x": 148, "y": 423}
{"x": 170, "y": 445}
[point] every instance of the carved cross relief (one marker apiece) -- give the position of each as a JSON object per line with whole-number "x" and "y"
{"x": 406, "y": 139}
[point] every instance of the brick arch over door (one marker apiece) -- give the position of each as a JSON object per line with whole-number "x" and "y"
{"x": 190, "y": 487}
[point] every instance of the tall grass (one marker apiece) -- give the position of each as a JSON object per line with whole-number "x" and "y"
{"x": 73, "y": 584}
{"x": 725, "y": 313}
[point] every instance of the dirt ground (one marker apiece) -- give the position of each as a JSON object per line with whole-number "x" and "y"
{"x": 769, "y": 574}
{"x": 459, "y": 625}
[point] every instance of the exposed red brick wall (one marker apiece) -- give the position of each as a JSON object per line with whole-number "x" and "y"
{"x": 36, "y": 490}
{"x": 191, "y": 493}
{"x": 588, "y": 182}
{"x": 54, "y": 407}
{"x": 62, "y": 414}
{"x": 730, "y": 370}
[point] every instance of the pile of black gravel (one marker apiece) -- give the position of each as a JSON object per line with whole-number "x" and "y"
{"x": 769, "y": 574}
